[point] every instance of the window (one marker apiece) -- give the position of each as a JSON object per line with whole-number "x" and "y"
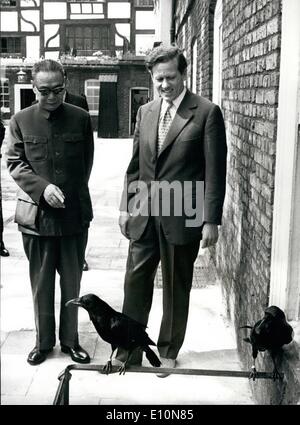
{"x": 143, "y": 3}
{"x": 85, "y": 40}
{"x": 89, "y": 9}
{"x": 11, "y": 46}
{"x": 217, "y": 58}
{"x": 92, "y": 90}
{"x": 194, "y": 65}
{"x": 8, "y": 3}
{"x": 4, "y": 95}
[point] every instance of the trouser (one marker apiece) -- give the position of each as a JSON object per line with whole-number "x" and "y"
{"x": 46, "y": 255}
{"x": 177, "y": 264}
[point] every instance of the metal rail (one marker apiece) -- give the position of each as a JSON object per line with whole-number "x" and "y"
{"x": 62, "y": 393}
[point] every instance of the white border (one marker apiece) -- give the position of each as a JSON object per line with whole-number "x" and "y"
{"x": 284, "y": 267}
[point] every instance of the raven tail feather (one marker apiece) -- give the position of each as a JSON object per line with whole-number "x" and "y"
{"x": 152, "y": 357}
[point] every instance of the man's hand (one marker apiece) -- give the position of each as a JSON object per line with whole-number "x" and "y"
{"x": 210, "y": 235}
{"x": 54, "y": 196}
{"x": 124, "y": 216}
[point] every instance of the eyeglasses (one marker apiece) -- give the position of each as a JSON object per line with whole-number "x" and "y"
{"x": 46, "y": 92}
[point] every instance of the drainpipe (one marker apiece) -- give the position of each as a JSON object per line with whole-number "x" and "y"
{"x": 172, "y": 29}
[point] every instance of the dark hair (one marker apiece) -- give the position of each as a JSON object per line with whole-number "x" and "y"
{"x": 47, "y": 65}
{"x": 165, "y": 53}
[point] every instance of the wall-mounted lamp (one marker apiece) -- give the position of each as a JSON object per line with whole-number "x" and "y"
{"x": 22, "y": 76}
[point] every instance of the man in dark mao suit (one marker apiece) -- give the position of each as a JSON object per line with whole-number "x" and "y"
{"x": 50, "y": 156}
{"x": 179, "y": 142}
{"x": 81, "y": 102}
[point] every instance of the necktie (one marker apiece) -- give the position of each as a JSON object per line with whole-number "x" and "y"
{"x": 163, "y": 127}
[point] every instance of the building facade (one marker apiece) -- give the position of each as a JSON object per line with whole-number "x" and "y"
{"x": 245, "y": 56}
{"x": 101, "y": 44}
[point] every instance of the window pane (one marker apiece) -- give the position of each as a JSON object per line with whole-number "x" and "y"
{"x": 88, "y": 39}
{"x": 11, "y": 45}
{"x": 4, "y": 95}
{"x": 97, "y": 8}
{"x": 75, "y": 8}
{"x": 86, "y": 8}
{"x": 92, "y": 88}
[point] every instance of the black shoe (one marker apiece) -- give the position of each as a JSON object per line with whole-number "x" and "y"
{"x": 85, "y": 266}
{"x": 3, "y": 250}
{"x": 37, "y": 356}
{"x": 78, "y": 354}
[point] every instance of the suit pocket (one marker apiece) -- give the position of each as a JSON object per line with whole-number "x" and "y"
{"x": 26, "y": 212}
{"x": 73, "y": 145}
{"x": 36, "y": 148}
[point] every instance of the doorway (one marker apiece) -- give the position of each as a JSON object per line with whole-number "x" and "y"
{"x": 24, "y": 96}
{"x": 108, "y": 110}
{"x": 138, "y": 96}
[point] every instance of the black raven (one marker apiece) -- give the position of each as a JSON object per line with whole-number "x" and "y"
{"x": 270, "y": 333}
{"x": 117, "y": 329}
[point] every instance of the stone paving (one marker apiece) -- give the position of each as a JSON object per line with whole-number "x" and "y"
{"x": 209, "y": 342}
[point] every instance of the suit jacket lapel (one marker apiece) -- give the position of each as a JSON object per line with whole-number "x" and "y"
{"x": 183, "y": 115}
{"x": 152, "y": 121}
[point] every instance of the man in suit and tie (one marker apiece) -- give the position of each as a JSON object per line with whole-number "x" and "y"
{"x": 179, "y": 143}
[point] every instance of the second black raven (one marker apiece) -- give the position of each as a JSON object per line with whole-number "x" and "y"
{"x": 270, "y": 333}
{"x": 117, "y": 329}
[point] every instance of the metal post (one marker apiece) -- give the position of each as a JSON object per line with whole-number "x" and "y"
{"x": 62, "y": 393}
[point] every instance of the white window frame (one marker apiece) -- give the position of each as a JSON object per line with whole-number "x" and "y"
{"x": 4, "y": 81}
{"x": 92, "y": 112}
{"x": 285, "y": 260}
{"x": 194, "y": 65}
{"x": 217, "y": 55}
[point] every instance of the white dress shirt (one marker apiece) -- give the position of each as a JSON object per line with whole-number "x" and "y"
{"x": 175, "y": 105}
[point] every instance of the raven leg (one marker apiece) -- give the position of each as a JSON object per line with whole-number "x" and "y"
{"x": 108, "y": 367}
{"x": 276, "y": 373}
{"x": 122, "y": 368}
{"x": 253, "y": 372}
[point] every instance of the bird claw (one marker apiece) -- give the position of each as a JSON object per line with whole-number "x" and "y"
{"x": 122, "y": 369}
{"x": 107, "y": 368}
{"x": 253, "y": 373}
{"x": 277, "y": 375}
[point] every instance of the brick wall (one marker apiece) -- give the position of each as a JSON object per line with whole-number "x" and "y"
{"x": 195, "y": 21}
{"x": 251, "y": 57}
{"x": 250, "y": 74}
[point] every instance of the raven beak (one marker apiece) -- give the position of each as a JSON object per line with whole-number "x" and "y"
{"x": 75, "y": 301}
